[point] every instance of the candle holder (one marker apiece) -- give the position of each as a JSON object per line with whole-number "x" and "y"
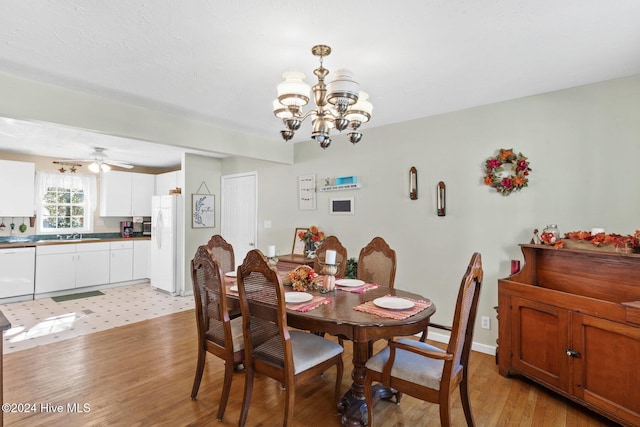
{"x": 272, "y": 262}
{"x": 329, "y": 279}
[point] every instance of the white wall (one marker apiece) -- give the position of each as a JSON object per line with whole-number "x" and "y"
{"x": 584, "y": 147}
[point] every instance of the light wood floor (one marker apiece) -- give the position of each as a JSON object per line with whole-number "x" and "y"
{"x": 141, "y": 375}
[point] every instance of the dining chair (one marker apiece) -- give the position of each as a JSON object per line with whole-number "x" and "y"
{"x": 333, "y": 243}
{"x": 377, "y": 263}
{"x": 271, "y": 349}
{"x": 223, "y": 251}
{"x": 217, "y": 333}
{"x": 425, "y": 371}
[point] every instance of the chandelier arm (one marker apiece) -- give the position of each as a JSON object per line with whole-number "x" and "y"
{"x": 307, "y": 114}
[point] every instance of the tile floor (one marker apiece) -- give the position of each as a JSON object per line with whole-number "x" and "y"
{"x": 43, "y": 321}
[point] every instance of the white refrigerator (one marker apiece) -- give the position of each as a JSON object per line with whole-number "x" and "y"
{"x": 167, "y": 226}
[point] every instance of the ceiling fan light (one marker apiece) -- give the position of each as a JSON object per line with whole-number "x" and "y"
{"x": 105, "y": 167}
{"x": 94, "y": 167}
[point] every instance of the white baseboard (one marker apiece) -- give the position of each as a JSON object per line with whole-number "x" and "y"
{"x": 482, "y": 348}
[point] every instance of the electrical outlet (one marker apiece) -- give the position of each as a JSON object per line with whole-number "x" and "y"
{"x": 486, "y": 322}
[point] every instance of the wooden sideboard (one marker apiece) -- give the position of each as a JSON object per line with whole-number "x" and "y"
{"x": 290, "y": 261}
{"x": 570, "y": 321}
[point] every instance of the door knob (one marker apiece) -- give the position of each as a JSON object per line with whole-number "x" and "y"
{"x": 251, "y": 244}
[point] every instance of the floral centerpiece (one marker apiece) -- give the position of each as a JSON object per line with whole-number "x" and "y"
{"x": 507, "y": 172}
{"x": 312, "y": 239}
{"x": 303, "y": 278}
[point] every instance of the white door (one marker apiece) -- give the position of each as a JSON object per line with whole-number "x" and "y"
{"x": 239, "y": 213}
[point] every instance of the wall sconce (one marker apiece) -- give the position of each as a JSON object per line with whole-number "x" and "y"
{"x": 413, "y": 183}
{"x": 441, "y": 198}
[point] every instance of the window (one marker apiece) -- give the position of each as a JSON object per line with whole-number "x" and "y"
{"x": 66, "y": 203}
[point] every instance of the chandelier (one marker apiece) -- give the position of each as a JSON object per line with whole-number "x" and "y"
{"x": 340, "y": 104}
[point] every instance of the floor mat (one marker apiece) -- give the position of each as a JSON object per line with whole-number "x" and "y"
{"x": 77, "y": 296}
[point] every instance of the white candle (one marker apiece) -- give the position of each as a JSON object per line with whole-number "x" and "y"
{"x": 271, "y": 251}
{"x": 330, "y": 257}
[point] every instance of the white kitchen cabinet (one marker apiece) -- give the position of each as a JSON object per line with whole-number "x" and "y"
{"x": 121, "y": 265}
{"x": 126, "y": 193}
{"x": 55, "y": 268}
{"x": 17, "y": 189}
{"x": 168, "y": 181}
{"x": 92, "y": 264}
{"x": 69, "y": 266}
{"x": 142, "y": 187}
{"x": 141, "y": 259}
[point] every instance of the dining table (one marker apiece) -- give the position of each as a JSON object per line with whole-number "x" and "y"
{"x": 349, "y": 313}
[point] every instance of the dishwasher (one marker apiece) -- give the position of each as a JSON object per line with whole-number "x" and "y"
{"x": 17, "y": 272}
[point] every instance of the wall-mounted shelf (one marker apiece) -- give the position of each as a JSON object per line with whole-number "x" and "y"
{"x": 341, "y": 187}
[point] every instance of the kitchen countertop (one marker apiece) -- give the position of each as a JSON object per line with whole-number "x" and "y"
{"x": 40, "y": 240}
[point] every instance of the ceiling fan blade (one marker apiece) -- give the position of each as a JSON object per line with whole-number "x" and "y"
{"x": 119, "y": 164}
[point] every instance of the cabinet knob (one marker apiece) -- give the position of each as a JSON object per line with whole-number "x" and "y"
{"x": 573, "y": 353}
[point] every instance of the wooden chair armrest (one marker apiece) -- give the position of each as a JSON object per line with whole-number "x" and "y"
{"x": 438, "y": 326}
{"x": 426, "y": 353}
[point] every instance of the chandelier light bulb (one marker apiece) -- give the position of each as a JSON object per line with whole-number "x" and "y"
{"x": 105, "y": 167}
{"x": 94, "y": 167}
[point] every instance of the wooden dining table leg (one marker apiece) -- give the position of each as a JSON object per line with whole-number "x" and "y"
{"x": 352, "y": 405}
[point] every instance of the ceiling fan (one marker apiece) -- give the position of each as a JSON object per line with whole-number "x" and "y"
{"x": 99, "y": 161}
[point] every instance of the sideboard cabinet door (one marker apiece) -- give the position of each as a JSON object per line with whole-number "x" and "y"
{"x": 540, "y": 341}
{"x": 607, "y": 371}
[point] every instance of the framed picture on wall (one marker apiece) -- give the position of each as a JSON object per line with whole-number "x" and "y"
{"x": 203, "y": 211}
{"x": 298, "y": 245}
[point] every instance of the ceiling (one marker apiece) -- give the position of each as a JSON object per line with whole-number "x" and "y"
{"x": 220, "y": 61}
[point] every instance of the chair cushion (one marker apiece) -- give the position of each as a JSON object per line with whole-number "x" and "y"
{"x": 310, "y": 350}
{"x": 411, "y": 366}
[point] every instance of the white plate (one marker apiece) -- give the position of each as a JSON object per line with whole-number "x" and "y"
{"x": 231, "y": 274}
{"x": 234, "y": 288}
{"x": 393, "y": 303}
{"x": 350, "y": 283}
{"x": 297, "y": 297}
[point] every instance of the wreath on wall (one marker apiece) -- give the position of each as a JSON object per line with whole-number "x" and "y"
{"x": 507, "y": 172}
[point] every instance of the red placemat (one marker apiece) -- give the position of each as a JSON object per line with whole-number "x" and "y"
{"x": 359, "y": 290}
{"x": 371, "y": 308}
{"x": 316, "y": 302}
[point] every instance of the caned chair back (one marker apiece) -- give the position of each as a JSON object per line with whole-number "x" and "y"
{"x": 223, "y": 251}
{"x": 266, "y": 335}
{"x": 210, "y": 297}
{"x": 377, "y": 263}
{"x": 333, "y": 243}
